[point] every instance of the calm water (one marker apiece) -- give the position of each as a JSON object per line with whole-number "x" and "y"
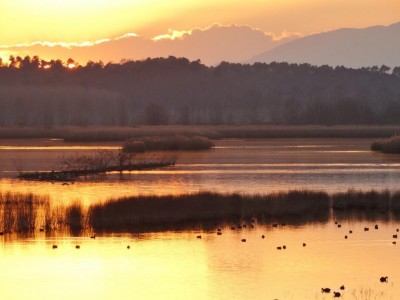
{"x": 177, "y": 265}
{"x": 247, "y": 166}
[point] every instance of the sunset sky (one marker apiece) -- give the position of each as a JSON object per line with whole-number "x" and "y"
{"x": 77, "y": 21}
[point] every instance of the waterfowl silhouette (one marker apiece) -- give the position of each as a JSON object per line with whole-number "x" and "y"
{"x": 342, "y": 287}
{"x": 350, "y": 231}
{"x": 93, "y": 236}
{"x": 279, "y": 248}
{"x": 394, "y": 242}
{"x": 128, "y": 247}
{"x": 77, "y": 247}
{"x": 304, "y": 244}
{"x": 263, "y": 236}
{"x": 336, "y": 294}
{"x": 395, "y": 236}
{"x": 376, "y": 226}
{"x": 384, "y": 279}
{"x": 284, "y": 247}
{"x": 199, "y": 236}
{"x": 346, "y": 237}
{"x": 366, "y": 229}
{"x": 219, "y": 232}
{"x": 274, "y": 225}
{"x": 339, "y": 225}
{"x": 233, "y": 227}
{"x": 55, "y": 246}
{"x": 397, "y": 230}
{"x": 325, "y": 290}
{"x": 243, "y": 240}
{"x": 219, "y": 229}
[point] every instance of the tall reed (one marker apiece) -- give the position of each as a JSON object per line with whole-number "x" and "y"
{"x": 21, "y": 212}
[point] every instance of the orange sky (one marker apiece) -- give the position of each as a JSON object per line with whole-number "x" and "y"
{"x": 27, "y": 21}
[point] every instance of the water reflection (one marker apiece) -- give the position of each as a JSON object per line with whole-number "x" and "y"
{"x": 246, "y": 166}
{"x": 177, "y": 265}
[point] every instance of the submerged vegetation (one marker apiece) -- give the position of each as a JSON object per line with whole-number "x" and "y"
{"x": 390, "y": 145}
{"x": 28, "y": 212}
{"x": 170, "y": 143}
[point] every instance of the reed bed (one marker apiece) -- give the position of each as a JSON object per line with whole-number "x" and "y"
{"x": 25, "y": 213}
{"x": 167, "y": 143}
{"x": 21, "y": 212}
{"x": 390, "y": 145}
{"x": 132, "y": 212}
{"x": 112, "y": 133}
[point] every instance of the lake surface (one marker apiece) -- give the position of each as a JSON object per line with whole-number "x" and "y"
{"x": 245, "y": 166}
{"x": 177, "y": 265}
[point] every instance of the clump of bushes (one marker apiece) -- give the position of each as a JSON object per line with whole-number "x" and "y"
{"x": 390, "y": 145}
{"x": 75, "y": 217}
{"x": 167, "y": 143}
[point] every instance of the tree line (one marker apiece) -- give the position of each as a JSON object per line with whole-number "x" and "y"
{"x": 178, "y": 91}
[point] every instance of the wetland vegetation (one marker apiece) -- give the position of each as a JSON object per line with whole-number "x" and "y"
{"x": 28, "y": 212}
{"x": 99, "y": 162}
{"x": 390, "y": 145}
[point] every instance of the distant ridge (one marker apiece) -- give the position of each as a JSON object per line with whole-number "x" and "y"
{"x": 354, "y": 48}
{"x": 216, "y": 43}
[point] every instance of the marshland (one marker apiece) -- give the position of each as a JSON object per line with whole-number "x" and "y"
{"x": 205, "y": 215}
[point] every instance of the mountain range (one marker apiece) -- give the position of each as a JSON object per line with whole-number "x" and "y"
{"x": 211, "y": 45}
{"x": 354, "y": 48}
{"x": 377, "y": 45}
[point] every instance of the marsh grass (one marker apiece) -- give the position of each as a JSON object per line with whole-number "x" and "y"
{"x": 390, "y": 145}
{"x": 75, "y": 217}
{"x": 167, "y": 143}
{"x": 132, "y": 212}
{"x": 21, "y": 212}
{"x": 24, "y": 213}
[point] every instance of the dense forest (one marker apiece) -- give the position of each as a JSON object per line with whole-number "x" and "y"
{"x": 178, "y": 91}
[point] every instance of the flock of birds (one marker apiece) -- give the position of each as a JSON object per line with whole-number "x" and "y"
{"x": 336, "y": 294}
{"x": 342, "y": 287}
{"x": 93, "y": 236}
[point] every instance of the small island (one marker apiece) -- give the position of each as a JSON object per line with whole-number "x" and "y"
{"x": 390, "y": 145}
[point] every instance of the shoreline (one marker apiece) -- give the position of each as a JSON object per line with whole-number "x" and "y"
{"x": 120, "y": 134}
{"x": 28, "y": 213}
